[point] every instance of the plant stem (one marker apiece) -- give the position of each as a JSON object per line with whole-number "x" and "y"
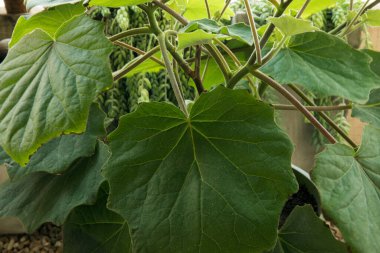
{"x": 161, "y": 37}
{"x": 137, "y": 50}
{"x": 352, "y": 22}
{"x": 224, "y": 9}
{"x": 131, "y": 32}
{"x": 208, "y": 10}
{"x": 313, "y": 108}
{"x": 275, "y": 3}
{"x": 295, "y": 102}
{"x": 133, "y": 64}
{"x": 303, "y": 8}
{"x": 324, "y": 116}
{"x": 255, "y": 35}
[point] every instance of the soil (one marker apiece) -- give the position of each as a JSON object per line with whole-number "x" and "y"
{"x": 47, "y": 239}
{"x": 300, "y": 198}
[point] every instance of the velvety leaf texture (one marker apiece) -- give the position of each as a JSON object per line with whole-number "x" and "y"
{"x": 304, "y": 232}
{"x": 326, "y": 65}
{"x": 39, "y": 197}
{"x": 349, "y": 183}
{"x": 59, "y": 154}
{"x": 47, "y": 85}
{"x": 48, "y": 3}
{"x": 94, "y": 228}
{"x": 49, "y": 21}
{"x": 213, "y": 182}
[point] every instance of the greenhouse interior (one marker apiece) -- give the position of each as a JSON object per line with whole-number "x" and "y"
{"x": 189, "y": 126}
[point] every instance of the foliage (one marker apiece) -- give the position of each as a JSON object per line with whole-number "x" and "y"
{"x": 102, "y": 133}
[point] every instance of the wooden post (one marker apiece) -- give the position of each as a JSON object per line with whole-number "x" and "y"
{"x": 15, "y": 6}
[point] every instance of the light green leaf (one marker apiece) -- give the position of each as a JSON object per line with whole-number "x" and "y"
{"x": 370, "y": 112}
{"x": 48, "y": 3}
{"x": 42, "y": 197}
{"x": 238, "y": 31}
{"x": 290, "y": 26}
{"x": 56, "y": 156}
{"x": 96, "y": 229}
{"x": 203, "y": 191}
{"x": 47, "y": 85}
{"x": 49, "y": 21}
{"x": 372, "y": 17}
{"x": 197, "y": 37}
{"x": 325, "y": 65}
{"x": 147, "y": 66}
{"x": 304, "y": 232}
{"x": 313, "y": 7}
{"x": 349, "y": 183}
{"x": 117, "y": 3}
{"x": 196, "y": 9}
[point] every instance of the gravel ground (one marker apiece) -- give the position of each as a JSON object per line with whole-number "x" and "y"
{"x": 47, "y": 239}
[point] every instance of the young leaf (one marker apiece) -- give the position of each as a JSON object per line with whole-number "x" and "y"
{"x": 42, "y": 197}
{"x": 304, "y": 232}
{"x": 96, "y": 229}
{"x": 48, "y": 3}
{"x": 350, "y": 188}
{"x": 194, "y": 38}
{"x": 213, "y": 182}
{"x": 313, "y": 7}
{"x": 49, "y": 21}
{"x": 56, "y": 156}
{"x": 238, "y": 31}
{"x": 372, "y": 17}
{"x": 47, "y": 85}
{"x": 117, "y": 3}
{"x": 319, "y": 62}
{"x": 290, "y": 26}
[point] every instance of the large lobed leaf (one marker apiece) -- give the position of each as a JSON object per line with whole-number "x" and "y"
{"x": 326, "y": 65}
{"x": 59, "y": 154}
{"x": 49, "y": 21}
{"x": 213, "y": 182}
{"x": 48, "y": 3}
{"x": 304, "y": 232}
{"x": 47, "y": 85}
{"x": 349, "y": 183}
{"x": 42, "y": 197}
{"x": 94, "y": 228}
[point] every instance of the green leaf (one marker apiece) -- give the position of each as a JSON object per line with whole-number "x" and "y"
{"x": 147, "y": 66}
{"x": 47, "y": 85}
{"x": 196, "y": 9}
{"x": 42, "y": 197}
{"x": 290, "y": 26}
{"x": 49, "y": 21}
{"x": 117, "y": 3}
{"x": 349, "y": 183}
{"x": 48, "y": 3}
{"x": 320, "y": 62}
{"x": 56, "y": 156}
{"x": 372, "y": 17}
{"x": 238, "y": 31}
{"x": 313, "y": 7}
{"x": 96, "y": 229}
{"x": 370, "y": 112}
{"x": 197, "y": 37}
{"x": 193, "y": 184}
{"x": 304, "y": 232}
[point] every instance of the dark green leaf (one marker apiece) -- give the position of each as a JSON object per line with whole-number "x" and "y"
{"x": 325, "y": 65}
{"x": 56, "y": 156}
{"x": 304, "y": 232}
{"x": 96, "y": 229}
{"x": 47, "y": 85}
{"x": 349, "y": 183}
{"x": 49, "y": 21}
{"x": 42, "y": 197}
{"x": 214, "y": 182}
{"x": 369, "y": 112}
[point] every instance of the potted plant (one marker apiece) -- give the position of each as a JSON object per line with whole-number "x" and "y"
{"x": 209, "y": 175}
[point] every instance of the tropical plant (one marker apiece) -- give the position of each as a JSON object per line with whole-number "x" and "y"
{"x": 209, "y": 175}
